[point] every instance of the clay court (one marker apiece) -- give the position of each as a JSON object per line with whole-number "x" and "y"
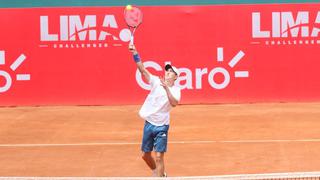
{"x": 204, "y": 140}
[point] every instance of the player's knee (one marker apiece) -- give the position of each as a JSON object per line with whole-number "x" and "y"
{"x": 145, "y": 155}
{"x": 159, "y": 157}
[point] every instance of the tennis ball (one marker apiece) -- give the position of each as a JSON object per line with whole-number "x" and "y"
{"x": 128, "y": 7}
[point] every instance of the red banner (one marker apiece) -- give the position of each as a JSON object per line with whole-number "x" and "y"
{"x": 227, "y": 54}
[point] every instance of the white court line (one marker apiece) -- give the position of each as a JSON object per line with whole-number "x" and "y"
{"x": 170, "y": 142}
{"x": 235, "y": 176}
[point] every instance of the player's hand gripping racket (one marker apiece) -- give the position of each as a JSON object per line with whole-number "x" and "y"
{"x": 133, "y": 17}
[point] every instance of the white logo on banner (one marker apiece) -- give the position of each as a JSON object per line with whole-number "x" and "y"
{"x": 75, "y": 31}
{"x": 287, "y": 28}
{"x": 6, "y": 76}
{"x": 187, "y": 75}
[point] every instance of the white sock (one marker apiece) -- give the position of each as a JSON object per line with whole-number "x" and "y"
{"x": 154, "y": 172}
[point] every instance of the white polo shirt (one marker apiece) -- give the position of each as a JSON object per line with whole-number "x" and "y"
{"x": 156, "y": 107}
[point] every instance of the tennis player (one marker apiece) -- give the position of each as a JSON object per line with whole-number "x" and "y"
{"x": 156, "y": 113}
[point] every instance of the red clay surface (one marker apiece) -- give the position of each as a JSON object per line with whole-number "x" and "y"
{"x": 203, "y": 140}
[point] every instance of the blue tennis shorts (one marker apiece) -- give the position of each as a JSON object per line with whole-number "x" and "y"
{"x": 154, "y": 138}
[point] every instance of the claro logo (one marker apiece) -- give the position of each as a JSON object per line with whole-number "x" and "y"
{"x": 85, "y": 31}
{"x": 286, "y": 28}
{"x": 6, "y": 80}
{"x": 185, "y": 80}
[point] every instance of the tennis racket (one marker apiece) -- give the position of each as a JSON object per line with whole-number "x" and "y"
{"x": 133, "y": 17}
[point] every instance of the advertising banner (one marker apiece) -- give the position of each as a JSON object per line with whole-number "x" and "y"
{"x": 225, "y": 53}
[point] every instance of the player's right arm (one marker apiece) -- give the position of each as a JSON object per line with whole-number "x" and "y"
{"x": 146, "y": 74}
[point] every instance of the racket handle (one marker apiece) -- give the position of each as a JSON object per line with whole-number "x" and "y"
{"x": 131, "y": 40}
